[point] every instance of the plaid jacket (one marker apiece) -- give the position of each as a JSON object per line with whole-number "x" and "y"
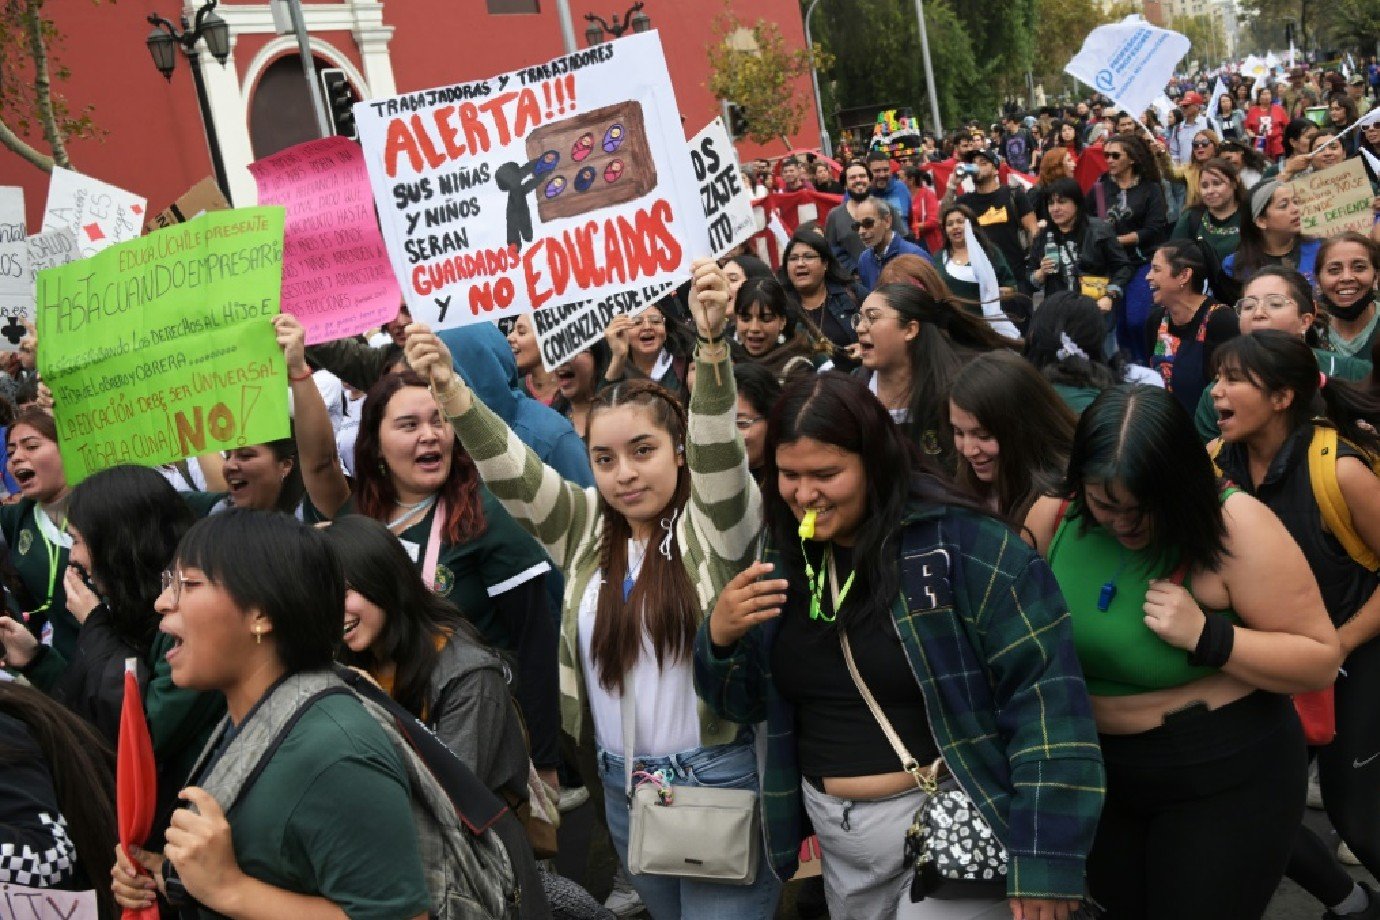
{"x": 990, "y": 645}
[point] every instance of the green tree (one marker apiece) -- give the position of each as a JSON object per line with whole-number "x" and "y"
{"x": 28, "y": 100}
{"x": 1061, "y": 26}
{"x": 1003, "y": 39}
{"x": 1357, "y": 23}
{"x": 1266, "y": 20}
{"x": 750, "y": 65}
{"x": 1209, "y": 44}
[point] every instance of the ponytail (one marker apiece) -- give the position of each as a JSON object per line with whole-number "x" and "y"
{"x": 1354, "y": 412}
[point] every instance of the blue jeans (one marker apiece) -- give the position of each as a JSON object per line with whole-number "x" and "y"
{"x": 730, "y": 766}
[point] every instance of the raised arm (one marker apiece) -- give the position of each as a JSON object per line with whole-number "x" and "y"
{"x": 352, "y": 360}
{"x": 316, "y": 450}
{"x": 557, "y": 512}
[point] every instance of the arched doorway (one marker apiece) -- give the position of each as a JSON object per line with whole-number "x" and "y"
{"x": 280, "y": 113}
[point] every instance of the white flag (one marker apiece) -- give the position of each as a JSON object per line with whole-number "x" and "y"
{"x": 989, "y": 292}
{"x": 1129, "y": 61}
{"x": 1371, "y": 160}
{"x": 1219, "y": 89}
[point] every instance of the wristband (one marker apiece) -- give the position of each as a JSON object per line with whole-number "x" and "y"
{"x": 301, "y": 377}
{"x": 1214, "y": 643}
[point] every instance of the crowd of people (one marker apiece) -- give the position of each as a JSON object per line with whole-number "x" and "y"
{"x": 1094, "y": 555}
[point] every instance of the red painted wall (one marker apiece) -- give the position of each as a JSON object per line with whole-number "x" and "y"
{"x": 154, "y": 144}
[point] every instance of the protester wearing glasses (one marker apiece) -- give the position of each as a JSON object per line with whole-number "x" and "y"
{"x": 758, "y": 391}
{"x": 650, "y": 345}
{"x": 881, "y": 242}
{"x": 827, "y": 296}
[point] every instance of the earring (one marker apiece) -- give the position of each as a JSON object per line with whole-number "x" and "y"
{"x": 258, "y": 636}
{"x": 781, "y": 339}
{"x": 383, "y": 470}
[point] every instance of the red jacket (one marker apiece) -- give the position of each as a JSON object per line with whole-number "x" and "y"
{"x": 924, "y": 218}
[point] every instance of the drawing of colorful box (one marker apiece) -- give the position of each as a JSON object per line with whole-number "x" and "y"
{"x": 589, "y": 162}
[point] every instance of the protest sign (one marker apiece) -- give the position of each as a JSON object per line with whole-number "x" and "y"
{"x": 1129, "y": 61}
{"x": 162, "y": 348}
{"x": 336, "y": 276}
{"x": 98, "y": 214}
{"x": 725, "y": 203}
{"x": 1335, "y": 199}
{"x": 18, "y": 902}
{"x": 51, "y": 249}
{"x": 197, "y": 200}
{"x": 562, "y": 185}
{"x": 16, "y": 275}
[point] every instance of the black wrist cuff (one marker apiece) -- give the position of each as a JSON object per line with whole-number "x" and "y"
{"x": 1215, "y": 643}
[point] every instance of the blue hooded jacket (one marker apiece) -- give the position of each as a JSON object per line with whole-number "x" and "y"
{"x": 483, "y": 358}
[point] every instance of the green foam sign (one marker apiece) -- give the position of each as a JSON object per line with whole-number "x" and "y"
{"x": 163, "y": 347}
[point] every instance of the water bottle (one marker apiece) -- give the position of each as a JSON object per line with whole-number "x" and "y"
{"x": 1052, "y": 252}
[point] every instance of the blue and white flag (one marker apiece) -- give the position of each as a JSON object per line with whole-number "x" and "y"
{"x": 1129, "y": 61}
{"x": 1219, "y": 89}
{"x": 988, "y": 290}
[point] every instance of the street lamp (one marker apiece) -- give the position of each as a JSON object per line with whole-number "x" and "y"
{"x": 634, "y": 18}
{"x": 824, "y": 142}
{"x": 162, "y": 43}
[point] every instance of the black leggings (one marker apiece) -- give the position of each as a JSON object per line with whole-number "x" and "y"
{"x": 1349, "y": 774}
{"x": 1201, "y": 813}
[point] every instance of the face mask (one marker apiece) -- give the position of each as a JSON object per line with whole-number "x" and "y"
{"x": 1353, "y": 312}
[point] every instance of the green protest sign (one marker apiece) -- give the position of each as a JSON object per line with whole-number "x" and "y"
{"x": 162, "y": 347}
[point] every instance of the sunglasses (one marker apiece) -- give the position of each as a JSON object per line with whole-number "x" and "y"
{"x": 1114, "y": 156}
{"x": 1199, "y": 145}
{"x": 866, "y": 223}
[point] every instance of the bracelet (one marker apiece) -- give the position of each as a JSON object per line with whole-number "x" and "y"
{"x": 1214, "y": 643}
{"x": 711, "y": 351}
{"x": 299, "y": 379}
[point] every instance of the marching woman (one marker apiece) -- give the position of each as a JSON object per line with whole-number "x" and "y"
{"x": 1268, "y": 394}
{"x": 1347, "y": 266}
{"x": 883, "y": 597}
{"x": 771, "y": 332}
{"x": 1065, "y": 344}
{"x": 578, "y": 380}
{"x": 252, "y": 604}
{"x": 412, "y": 476}
{"x": 1011, "y": 430}
{"x": 1216, "y": 216}
{"x": 1206, "y": 769}
{"x": 261, "y": 477}
{"x": 1187, "y": 323}
{"x": 1272, "y": 234}
{"x": 35, "y": 530}
{"x": 670, "y": 521}
{"x": 651, "y": 345}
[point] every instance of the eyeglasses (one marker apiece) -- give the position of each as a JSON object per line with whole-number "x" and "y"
{"x": 866, "y": 223}
{"x": 865, "y": 317}
{"x": 1113, "y": 156}
{"x": 744, "y": 422}
{"x": 648, "y": 319}
{"x": 803, "y": 257}
{"x": 173, "y": 582}
{"x": 1199, "y": 145}
{"x": 1273, "y": 303}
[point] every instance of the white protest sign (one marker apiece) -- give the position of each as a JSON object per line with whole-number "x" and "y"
{"x": 1129, "y": 61}
{"x": 51, "y": 249}
{"x": 724, "y": 201}
{"x": 560, "y": 188}
{"x": 20, "y": 903}
{"x": 98, "y": 214}
{"x": 16, "y": 275}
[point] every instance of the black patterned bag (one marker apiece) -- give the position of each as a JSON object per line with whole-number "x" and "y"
{"x": 948, "y": 841}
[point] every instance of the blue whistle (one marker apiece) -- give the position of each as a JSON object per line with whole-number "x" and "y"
{"x": 1104, "y": 597}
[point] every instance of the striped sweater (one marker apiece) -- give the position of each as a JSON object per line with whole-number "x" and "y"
{"x": 715, "y": 532}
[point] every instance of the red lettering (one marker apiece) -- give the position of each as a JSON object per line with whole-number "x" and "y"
{"x": 400, "y": 141}
{"x": 613, "y": 255}
{"x": 583, "y": 262}
{"x": 532, "y": 276}
{"x": 528, "y": 114}
{"x": 559, "y": 264}
{"x": 433, "y": 156}
{"x": 661, "y": 229}
{"x": 481, "y": 298}
{"x": 641, "y": 259}
{"x": 449, "y": 134}
{"x": 476, "y": 135}
{"x": 420, "y": 282}
{"x": 494, "y": 109}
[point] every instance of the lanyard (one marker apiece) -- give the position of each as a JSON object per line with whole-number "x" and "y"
{"x": 816, "y": 582}
{"x": 54, "y": 551}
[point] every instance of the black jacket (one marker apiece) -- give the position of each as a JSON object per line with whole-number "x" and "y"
{"x": 1144, "y": 213}
{"x": 1095, "y": 250}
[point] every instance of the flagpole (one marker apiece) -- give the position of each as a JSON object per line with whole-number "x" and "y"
{"x": 929, "y": 67}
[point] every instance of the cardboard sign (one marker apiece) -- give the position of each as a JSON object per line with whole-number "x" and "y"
{"x": 163, "y": 347}
{"x": 99, "y": 215}
{"x": 20, "y": 903}
{"x": 197, "y": 200}
{"x": 724, "y": 201}
{"x": 336, "y": 275}
{"x": 1336, "y": 199}
{"x": 16, "y": 274}
{"x": 559, "y": 188}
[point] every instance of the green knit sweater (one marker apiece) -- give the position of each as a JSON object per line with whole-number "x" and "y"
{"x": 715, "y": 532}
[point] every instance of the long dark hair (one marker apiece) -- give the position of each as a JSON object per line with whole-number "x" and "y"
{"x": 815, "y": 241}
{"x": 374, "y": 492}
{"x": 1142, "y": 160}
{"x": 1301, "y": 292}
{"x": 1251, "y": 255}
{"x": 415, "y": 618}
{"x": 1034, "y": 429}
{"x": 1141, "y": 438}
{"x": 83, "y": 771}
{"x": 1072, "y": 315}
{"x": 839, "y": 411}
{"x": 967, "y": 212}
{"x": 1275, "y": 361}
{"x": 293, "y": 487}
{"x": 663, "y": 598}
{"x": 131, "y": 520}
{"x": 1326, "y": 246}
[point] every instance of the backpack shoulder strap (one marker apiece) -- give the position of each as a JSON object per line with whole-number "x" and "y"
{"x": 1327, "y": 492}
{"x": 1214, "y": 451}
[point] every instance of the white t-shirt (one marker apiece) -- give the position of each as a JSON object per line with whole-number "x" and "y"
{"x": 899, "y": 416}
{"x": 668, "y": 720}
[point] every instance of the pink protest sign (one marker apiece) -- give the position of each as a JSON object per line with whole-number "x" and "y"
{"x": 336, "y": 275}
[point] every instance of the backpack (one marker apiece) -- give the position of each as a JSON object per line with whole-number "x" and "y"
{"x": 1327, "y": 492}
{"x": 469, "y": 870}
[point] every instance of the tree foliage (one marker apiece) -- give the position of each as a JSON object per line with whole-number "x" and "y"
{"x": 758, "y": 74}
{"x": 29, "y": 103}
{"x": 1061, "y": 26}
{"x": 1357, "y": 23}
{"x": 1209, "y": 43}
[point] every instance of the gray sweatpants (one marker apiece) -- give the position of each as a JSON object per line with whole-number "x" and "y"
{"x": 865, "y": 875}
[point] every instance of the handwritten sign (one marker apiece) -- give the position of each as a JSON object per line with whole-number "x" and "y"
{"x": 1335, "y": 199}
{"x": 51, "y": 249}
{"x": 161, "y": 348}
{"x": 336, "y": 275}
{"x": 561, "y": 185}
{"x": 98, "y": 214}
{"x": 20, "y": 903}
{"x": 197, "y": 200}
{"x": 16, "y": 274}
{"x": 726, "y": 204}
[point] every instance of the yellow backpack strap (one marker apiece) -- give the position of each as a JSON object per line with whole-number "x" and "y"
{"x": 1327, "y": 491}
{"x": 1214, "y": 448}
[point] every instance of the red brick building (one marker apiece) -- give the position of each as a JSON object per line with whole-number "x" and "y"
{"x": 155, "y": 144}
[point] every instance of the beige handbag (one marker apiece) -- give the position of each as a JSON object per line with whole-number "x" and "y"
{"x": 690, "y": 832}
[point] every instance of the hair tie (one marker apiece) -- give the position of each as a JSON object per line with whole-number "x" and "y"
{"x": 1068, "y": 348}
{"x": 669, "y": 525}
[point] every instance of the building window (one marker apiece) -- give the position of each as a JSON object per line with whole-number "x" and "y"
{"x": 514, "y": 6}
